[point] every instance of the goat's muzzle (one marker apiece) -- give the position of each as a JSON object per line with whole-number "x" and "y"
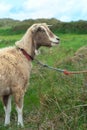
{"x": 55, "y": 42}
{"x": 58, "y": 40}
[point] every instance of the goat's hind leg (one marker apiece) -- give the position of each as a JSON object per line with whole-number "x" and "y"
{"x": 18, "y": 97}
{"x": 7, "y": 107}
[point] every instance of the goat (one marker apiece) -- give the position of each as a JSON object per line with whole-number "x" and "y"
{"x": 15, "y": 66}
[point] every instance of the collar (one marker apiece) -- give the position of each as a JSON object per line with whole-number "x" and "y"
{"x": 26, "y": 54}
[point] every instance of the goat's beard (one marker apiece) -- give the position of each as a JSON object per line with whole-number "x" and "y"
{"x": 37, "y": 52}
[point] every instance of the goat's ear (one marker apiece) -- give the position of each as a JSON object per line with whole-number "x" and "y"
{"x": 19, "y": 44}
{"x": 49, "y": 25}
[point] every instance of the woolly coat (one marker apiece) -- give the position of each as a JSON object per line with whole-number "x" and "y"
{"x": 14, "y": 71}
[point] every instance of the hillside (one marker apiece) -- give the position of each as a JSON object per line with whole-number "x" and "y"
{"x": 17, "y": 27}
{"x": 7, "y": 22}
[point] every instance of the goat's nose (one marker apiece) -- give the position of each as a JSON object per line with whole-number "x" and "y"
{"x": 58, "y": 38}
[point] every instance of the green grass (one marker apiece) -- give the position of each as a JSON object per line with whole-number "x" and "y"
{"x": 53, "y": 101}
{"x": 8, "y": 40}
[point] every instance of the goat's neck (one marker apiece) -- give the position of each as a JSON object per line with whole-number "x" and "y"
{"x": 27, "y": 43}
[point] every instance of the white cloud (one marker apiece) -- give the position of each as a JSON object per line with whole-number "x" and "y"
{"x": 62, "y": 9}
{"x": 41, "y": 4}
{"x": 65, "y": 18}
{"x": 4, "y": 9}
{"x": 65, "y": 10}
{"x": 42, "y": 8}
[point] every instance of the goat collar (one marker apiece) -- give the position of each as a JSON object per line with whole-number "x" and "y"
{"x": 26, "y": 54}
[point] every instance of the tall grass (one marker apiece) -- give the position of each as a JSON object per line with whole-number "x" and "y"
{"x": 54, "y": 101}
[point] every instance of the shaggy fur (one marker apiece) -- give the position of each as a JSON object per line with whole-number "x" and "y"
{"x": 15, "y": 68}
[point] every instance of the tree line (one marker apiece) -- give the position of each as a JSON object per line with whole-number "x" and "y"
{"x": 16, "y": 26}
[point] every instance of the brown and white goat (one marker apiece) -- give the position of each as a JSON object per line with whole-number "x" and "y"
{"x": 15, "y": 66}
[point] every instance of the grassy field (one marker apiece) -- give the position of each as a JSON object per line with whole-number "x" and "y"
{"x": 53, "y": 101}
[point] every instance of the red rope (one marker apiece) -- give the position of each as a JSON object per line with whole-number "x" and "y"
{"x": 66, "y": 72}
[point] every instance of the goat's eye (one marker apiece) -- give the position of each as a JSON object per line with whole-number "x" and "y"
{"x": 43, "y": 30}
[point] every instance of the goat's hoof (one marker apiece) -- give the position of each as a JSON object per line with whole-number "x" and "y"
{"x": 7, "y": 124}
{"x": 20, "y": 125}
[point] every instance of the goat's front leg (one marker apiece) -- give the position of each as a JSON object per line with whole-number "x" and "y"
{"x": 20, "y": 115}
{"x": 18, "y": 96}
{"x": 7, "y": 108}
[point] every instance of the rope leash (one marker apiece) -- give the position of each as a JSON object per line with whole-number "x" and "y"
{"x": 66, "y": 72}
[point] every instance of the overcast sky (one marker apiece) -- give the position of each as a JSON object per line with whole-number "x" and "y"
{"x": 64, "y": 10}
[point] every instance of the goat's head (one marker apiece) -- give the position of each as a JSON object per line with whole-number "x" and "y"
{"x": 36, "y": 36}
{"x": 43, "y": 36}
